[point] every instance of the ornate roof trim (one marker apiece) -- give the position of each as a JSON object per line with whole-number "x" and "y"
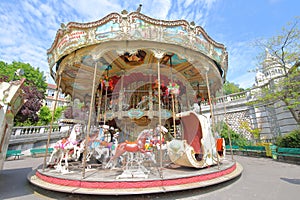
{"x": 70, "y": 25}
{"x": 132, "y": 16}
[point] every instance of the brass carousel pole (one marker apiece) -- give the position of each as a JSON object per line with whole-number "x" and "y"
{"x": 51, "y": 123}
{"x": 106, "y": 88}
{"x": 173, "y": 115}
{"x": 100, "y": 103}
{"x": 226, "y": 122}
{"x": 173, "y": 101}
{"x": 121, "y": 96}
{"x": 159, "y": 111}
{"x": 211, "y": 113}
{"x": 89, "y": 121}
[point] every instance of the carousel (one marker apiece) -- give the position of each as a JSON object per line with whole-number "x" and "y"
{"x": 135, "y": 84}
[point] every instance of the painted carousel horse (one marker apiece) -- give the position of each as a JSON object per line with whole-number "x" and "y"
{"x": 138, "y": 146}
{"x": 100, "y": 146}
{"x": 156, "y": 141}
{"x": 64, "y": 146}
{"x": 80, "y": 148}
{"x": 97, "y": 145}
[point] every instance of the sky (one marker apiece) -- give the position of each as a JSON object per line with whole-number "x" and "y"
{"x": 28, "y": 27}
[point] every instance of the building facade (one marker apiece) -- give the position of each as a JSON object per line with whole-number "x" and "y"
{"x": 51, "y": 94}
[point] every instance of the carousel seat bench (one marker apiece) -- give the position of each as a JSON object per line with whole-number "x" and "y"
{"x": 40, "y": 151}
{"x": 15, "y": 153}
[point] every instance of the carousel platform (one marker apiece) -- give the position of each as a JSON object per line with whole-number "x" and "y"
{"x": 100, "y": 181}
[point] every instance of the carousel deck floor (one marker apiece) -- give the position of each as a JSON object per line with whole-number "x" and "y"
{"x": 100, "y": 181}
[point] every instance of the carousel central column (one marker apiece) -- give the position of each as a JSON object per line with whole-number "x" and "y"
{"x": 159, "y": 55}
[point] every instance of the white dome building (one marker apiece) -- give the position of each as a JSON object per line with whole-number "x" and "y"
{"x": 271, "y": 68}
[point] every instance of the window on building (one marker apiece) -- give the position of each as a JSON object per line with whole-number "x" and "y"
{"x": 51, "y": 92}
{"x": 61, "y": 95}
{"x": 272, "y": 72}
{"x": 60, "y": 104}
{"x": 48, "y": 103}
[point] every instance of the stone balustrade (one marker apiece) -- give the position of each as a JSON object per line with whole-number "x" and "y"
{"x": 30, "y": 130}
{"x": 28, "y": 134}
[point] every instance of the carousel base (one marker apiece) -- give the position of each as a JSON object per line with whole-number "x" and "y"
{"x": 159, "y": 180}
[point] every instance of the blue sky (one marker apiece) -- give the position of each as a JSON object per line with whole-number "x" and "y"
{"x": 28, "y": 27}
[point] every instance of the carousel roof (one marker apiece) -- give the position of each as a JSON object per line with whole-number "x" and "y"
{"x": 131, "y": 45}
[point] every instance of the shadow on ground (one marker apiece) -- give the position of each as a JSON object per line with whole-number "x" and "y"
{"x": 291, "y": 180}
{"x": 13, "y": 183}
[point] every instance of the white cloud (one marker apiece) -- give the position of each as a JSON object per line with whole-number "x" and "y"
{"x": 241, "y": 59}
{"x": 30, "y": 27}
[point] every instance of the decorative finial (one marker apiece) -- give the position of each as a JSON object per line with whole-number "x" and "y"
{"x": 124, "y": 12}
{"x": 63, "y": 26}
{"x": 139, "y": 8}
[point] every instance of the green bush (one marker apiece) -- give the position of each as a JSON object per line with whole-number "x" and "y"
{"x": 290, "y": 140}
{"x": 236, "y": 138}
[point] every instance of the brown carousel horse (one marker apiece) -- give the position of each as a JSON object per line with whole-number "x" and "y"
{"x": 137, "y": 146}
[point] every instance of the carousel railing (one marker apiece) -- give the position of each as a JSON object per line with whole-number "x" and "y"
{"x": 142, "y": 99}
{"x": 245, "y": 95}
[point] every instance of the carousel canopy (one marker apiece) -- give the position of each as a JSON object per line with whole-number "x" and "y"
{"x": 132, "y": 46}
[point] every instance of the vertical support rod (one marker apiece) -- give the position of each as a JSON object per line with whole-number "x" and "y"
{"x": 211, "y": 114}
{"x": 99, "y": 117}
{"x": 226, "y": 122}
{"x": 173, "y": 114}
{"x": 121, "y": 94}
{"x": 89, "y": 121}
{"x": 51, "y": 124}
{"x": 159, "y": 111}
{"x": 105, "y": 102}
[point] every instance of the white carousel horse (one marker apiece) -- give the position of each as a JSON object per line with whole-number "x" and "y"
{"x": 64, "y": 146}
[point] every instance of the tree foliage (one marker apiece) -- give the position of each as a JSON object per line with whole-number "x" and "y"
{"x": 34, "y": 90}
{"x": 236, "y": 138}
{"x": 285, "y": 47}
{"x": 291, "y": 140}
{"x": 254, "y": 132}
{"x": 230, "y": 88}
{"x": 45, "y": 115}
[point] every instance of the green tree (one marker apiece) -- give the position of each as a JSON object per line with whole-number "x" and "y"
{"x": 230, "y": 88}
{"x": 236, "y": 138}
{"x": 34, "y": 90}
{"x": 45, "y": 115}
{"x": 255, "y": 132}
{"x": 285, "y": 47}
{"x": 290, "y": 140}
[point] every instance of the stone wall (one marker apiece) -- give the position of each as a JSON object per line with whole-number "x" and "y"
{"x": 272, "y": 119}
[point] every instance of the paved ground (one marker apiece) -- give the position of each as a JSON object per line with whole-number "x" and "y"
{"x": 262, "y": 179}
